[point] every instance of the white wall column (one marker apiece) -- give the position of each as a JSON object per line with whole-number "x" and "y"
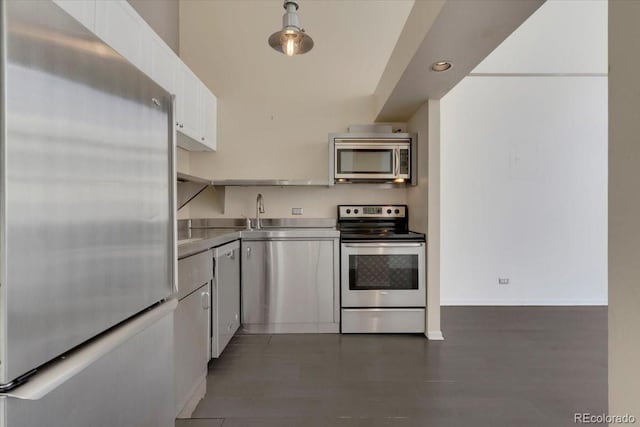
{"x": 433, "y": 229}
{"x": 624, "y": 208}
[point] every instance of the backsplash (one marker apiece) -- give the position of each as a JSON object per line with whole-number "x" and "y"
{"x": 316, "y": 202}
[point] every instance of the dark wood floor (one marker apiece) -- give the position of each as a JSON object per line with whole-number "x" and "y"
{"x": 499, "y": 366}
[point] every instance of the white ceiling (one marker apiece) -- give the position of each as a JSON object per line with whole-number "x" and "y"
{"x": 464, "y": 32}
{"x": 353, "y": 42}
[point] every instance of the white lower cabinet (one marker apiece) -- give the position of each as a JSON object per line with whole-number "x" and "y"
{"x": 191, "y": 330}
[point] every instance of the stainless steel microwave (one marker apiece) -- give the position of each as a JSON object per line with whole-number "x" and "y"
{"x": 372, "y": 158}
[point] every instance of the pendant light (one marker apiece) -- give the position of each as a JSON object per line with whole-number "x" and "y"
{"x": 291, "y": 39}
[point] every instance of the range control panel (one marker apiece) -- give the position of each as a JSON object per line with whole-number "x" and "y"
{"x": 371, "y": 211}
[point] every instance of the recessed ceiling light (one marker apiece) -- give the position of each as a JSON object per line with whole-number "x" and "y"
{"x": 441, "y": 66}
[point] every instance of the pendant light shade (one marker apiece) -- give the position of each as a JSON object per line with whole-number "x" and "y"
{"x": 291, "y": 39}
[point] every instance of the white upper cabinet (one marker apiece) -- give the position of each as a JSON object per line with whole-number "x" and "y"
{"x": 82, "y": 10}
{"x": 121, "y": 27}
{"x": 118, "y": 24}
{"x": 195, "y": 113}
{"x": 164, "y": 64}
{"x": 209, "y": 118}
{"x": 187, "y": 96}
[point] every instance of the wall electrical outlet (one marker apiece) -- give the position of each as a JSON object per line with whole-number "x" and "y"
{"x": 296, "y": 211}
{"x": 503, "y": 281}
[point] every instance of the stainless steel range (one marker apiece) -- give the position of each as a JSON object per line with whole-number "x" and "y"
{"x": 383, "y": 273}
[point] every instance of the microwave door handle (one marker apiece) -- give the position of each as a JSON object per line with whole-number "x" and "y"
{"x": 396, "y": 158}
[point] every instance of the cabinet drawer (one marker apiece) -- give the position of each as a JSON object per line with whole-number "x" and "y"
{"x": 383, "y": 320}
{"x": 193, "y": 272}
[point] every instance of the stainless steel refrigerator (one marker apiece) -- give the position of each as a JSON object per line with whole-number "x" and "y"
{"x": 87, "y": 237}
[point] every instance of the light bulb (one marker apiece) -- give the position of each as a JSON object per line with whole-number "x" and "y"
{"x": 290, "y": 47}
{"x": 290, "y": 42}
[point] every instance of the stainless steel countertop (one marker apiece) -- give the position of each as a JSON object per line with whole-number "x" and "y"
{"x": 206, "y": 238}
{"x": 202, "y": 239}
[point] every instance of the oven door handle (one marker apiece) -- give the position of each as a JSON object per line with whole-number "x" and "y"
{"x": 384, "y": 245}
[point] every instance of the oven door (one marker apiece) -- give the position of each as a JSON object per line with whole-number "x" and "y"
{"x": 383, "y": 274}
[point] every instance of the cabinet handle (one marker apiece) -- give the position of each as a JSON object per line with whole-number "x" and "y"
{"x": 206, "y": 300}
{"x": 248, "y": 252}
{"x": 202, "y": 138}
{"x": 231, "y": 255}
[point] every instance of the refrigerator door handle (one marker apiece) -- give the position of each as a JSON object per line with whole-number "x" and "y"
{"x": 56, "y": 373}
{"x": 173, "y": 191}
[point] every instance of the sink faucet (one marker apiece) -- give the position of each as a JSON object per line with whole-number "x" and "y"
{"x": 259, "y": 210}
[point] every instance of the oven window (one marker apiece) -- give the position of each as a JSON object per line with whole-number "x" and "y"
{"x": 352, "y": 161}
{"x": 380, "y": 272}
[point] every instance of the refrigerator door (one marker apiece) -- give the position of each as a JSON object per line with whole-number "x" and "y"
{"x": 122, "y": 379}
{"x": 86, "y": 207}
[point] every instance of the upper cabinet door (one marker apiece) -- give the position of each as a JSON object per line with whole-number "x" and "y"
{"x": 209, "y": 107}
{"x": 82, "y": 10}
{"x": 120, "y": 26}
{"x": 187, "y": 97}
{"x": 196, "y": 110}
{"x": 164, "y": 64}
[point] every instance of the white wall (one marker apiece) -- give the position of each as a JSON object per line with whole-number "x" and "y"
{"x": 163, "y": 17}
{"x": 424, "y": 204}
{"x": 417, "y": 195}
{"x": 316, "y": 202}
{"x": 624, "y": 208}
{"x": 524, "y": 167}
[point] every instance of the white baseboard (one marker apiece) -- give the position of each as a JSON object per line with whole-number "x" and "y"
{"x": 527, "y": 302}
{"x": 435, "y": 336}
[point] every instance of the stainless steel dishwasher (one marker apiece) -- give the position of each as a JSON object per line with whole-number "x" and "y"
{"x": 225, "y": 296}
{"x": 290, "y": 281}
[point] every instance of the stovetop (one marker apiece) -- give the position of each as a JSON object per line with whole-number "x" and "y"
{"x": 371, "y": 223}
